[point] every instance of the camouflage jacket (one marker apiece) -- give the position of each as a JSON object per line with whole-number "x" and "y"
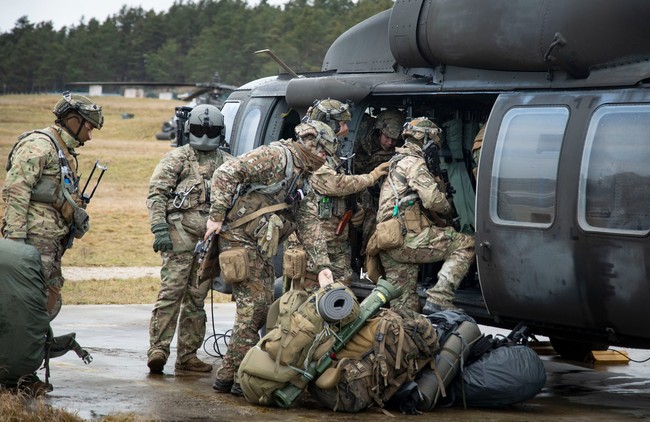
{"x": 266, "y": 165}
{"x": 331, "y": 189}
{"x": 370, "y": 154}
{"x": 180, "y": 183}
{"x": 409, "y": 175}
{"x": 33, "y": 161}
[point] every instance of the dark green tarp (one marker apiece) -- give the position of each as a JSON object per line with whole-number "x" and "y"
{"x": 24, "y": 321}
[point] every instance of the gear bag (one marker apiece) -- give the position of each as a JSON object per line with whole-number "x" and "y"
{"x": 388, "y": 351}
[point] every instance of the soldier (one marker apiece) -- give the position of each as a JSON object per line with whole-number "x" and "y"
{"x": 376, "y": 149}
{"x": 257, "y": 202}
{"x": 43, "y": 205}
{"x": 406, "y": 194}
{"x": 331, "y": 187}
{"x": 178, "y": 203}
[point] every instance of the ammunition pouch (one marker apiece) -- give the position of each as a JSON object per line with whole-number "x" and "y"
{"x": 389, "y": 235}
{"x": 294, "y": 264}
{"x": 234, "y": 265}
{"x": 415, "y": 220}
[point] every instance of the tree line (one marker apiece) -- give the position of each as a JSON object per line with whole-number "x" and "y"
{"x": 186, "y": 44}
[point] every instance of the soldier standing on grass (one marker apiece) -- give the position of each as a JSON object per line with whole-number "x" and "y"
{"x": 257, "y": 202}
{"x": 43, "y": 205}
{"x": 178, "y": 203}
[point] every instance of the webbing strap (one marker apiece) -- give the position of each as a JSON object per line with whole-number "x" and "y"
{"x": 252, "y": 216}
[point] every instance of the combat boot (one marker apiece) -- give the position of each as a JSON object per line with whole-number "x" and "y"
{"x": 194, "y": 364}
{"x": 236, "y": 390}
{"x": 431, "y": 307}
{"x": 223, "y": 386}
{"x": 156, "y": 361}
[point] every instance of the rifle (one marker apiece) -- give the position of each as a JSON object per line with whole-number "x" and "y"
{"x": 294, "y": 195}
{"x": 85, "y": 200}
{"x": 182, "y": 114}
{"x": 432, "y": 159}
{"x": 208, "y": 257}
{"x": 384, "y": 292}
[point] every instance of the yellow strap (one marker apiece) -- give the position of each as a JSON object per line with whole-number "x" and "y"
{"x": 254, "y": 215}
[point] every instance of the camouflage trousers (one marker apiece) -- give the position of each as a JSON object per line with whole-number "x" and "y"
{"x": 252, "y": 298}
{"x": 433, "y": 244}
{"x": 51, "y": 251}
{"x": 180, "y": 302}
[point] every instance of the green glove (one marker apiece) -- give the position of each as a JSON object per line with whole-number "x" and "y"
{"x": 162, "y": 242}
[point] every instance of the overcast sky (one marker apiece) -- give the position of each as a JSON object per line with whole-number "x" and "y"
{"x": 69, "y": 12}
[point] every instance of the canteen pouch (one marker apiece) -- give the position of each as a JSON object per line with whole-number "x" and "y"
{"x": 234, "y": 265}
{"x": 389, "y": 234}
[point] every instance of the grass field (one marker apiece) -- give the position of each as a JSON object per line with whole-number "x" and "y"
{"x": 119, "y": 234}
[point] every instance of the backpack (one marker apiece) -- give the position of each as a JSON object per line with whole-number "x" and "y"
{"x": 300, "y": 335}
{"x": 388, "y": 351}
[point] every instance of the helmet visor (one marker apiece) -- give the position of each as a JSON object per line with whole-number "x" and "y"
{"x": 200, "y": 130}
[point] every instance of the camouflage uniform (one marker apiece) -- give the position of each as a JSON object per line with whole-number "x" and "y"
{"x": 423, "y": 241}
{"x": 179, "y": 196}
{"x": 44, "y": 224}
{"x": 331, "y": 189}
{"x": 265, "y": 166}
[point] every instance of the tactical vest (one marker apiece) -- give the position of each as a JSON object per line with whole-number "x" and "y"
{"x": 252, "y": 202}
{"x": 330, "y": 206}
{"x": 62, "y": 192}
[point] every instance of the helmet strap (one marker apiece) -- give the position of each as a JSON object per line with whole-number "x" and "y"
{"x": 75, "y": 134}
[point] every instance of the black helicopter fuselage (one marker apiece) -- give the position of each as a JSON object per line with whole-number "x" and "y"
{"x": 560, "y": 209}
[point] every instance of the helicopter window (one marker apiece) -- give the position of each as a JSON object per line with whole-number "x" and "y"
{"x": 249, "y": 126}
{"x": 525, "y": 166}
{"x": 614, "y": 190}
{"x": 229, "y": 111}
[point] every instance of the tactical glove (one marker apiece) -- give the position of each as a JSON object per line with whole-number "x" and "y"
{"x": 269, "y": 236}
{"x": 357, "y": 218}
{"x": 82, "y": 222}
{"x": 379, "y": 171}
{"x": 162, "y": 242}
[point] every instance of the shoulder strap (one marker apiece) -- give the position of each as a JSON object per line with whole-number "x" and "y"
{"x": 288, "y": 173}
{"x": 252, "y": 216}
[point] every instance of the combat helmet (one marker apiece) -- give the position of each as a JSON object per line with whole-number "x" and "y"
{"x": 322, "y": 134}
{"x": 88, "y": 110}
{"x": 205, "y": 127}
{"x": 420, "y": 130}
{"x": 329, "y": 109}
{"x": 389, "y": 122}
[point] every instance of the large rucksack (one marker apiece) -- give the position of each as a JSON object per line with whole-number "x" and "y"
{"x": 387, "y": 352}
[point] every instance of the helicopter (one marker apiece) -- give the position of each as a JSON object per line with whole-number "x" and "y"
{"x": 213, "y": 92}
{"x": 560, "y": 207}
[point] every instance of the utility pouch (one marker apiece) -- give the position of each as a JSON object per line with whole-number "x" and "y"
{"x": 325, "y": 208}
{"x": 389, "y": 234}
{"x": 47, "y": 190}
{"x": 294, "y": 263}
{"x": 412, "y": 220}
{"x": 234, "y": 265}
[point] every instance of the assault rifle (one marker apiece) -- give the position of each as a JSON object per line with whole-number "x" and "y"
{"x": 352, "y": 199}
{"x": 85, "y": 200}
{"x": 182, "y": 114}
{"x": 432, "y": 159}
{"x": 208, "y": 256}
{"x": 384, "y": 292}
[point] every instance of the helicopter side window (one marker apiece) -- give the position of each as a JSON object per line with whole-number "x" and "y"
{"x": 249, "y": 126}
{"x": 525, "y": 166}
{"x": 614, "y": 189}
{"x": 229, "y": 111}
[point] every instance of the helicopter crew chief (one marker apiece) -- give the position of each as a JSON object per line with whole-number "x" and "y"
{"x": 257, "y": 203}
{"x": 406, "y": 236}
{"x": 43, "y": 205}
{"x": 178, "y": 203}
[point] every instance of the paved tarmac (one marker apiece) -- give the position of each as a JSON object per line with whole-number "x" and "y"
{"x": 118, "y": 381}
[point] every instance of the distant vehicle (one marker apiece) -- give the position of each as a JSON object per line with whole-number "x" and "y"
{"x": 561, "y": 207}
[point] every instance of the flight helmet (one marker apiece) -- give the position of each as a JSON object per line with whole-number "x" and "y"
{"x": 322, "y": 134}
{"x": 389, "y": 122}
{"x": 420, "y": 130}
{"x": 206, "y": 128}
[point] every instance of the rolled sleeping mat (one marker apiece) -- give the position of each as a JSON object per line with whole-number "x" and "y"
{"x": 452, "y": 353}
{"x": 335, "y": 305}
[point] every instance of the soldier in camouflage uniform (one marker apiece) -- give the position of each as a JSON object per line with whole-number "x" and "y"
{"x": 41, "y": 195}
{"x": 332, "y": 185}
{"x": 375, "y": 149}
{"x": 178, "y": 203}
{"x": 256, "y": 204}
{"x": 407, "y": 192}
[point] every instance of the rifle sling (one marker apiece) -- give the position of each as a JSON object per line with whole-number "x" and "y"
{"x": 254, "y": 215}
